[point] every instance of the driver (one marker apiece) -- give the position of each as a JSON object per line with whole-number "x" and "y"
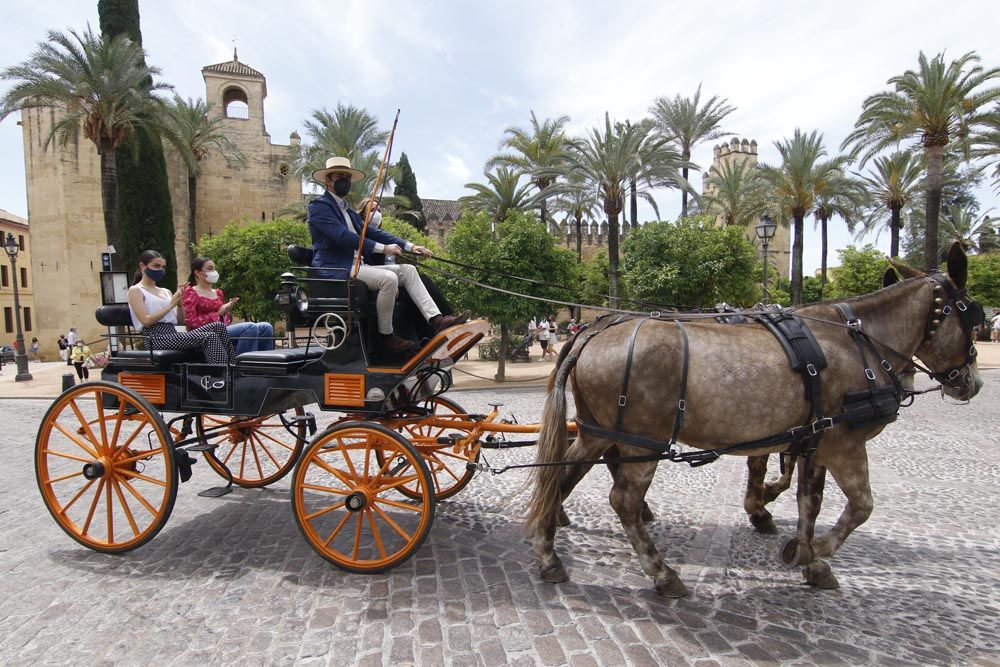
{"x": 336, "y": 230}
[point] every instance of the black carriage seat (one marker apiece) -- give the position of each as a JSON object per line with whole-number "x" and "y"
{"x": 117, "y": 315}
{"x": 327, "y": 293}
{"x": 280, "y": 361}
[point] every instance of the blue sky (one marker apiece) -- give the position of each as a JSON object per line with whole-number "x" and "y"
{"x": 462, "y": 72}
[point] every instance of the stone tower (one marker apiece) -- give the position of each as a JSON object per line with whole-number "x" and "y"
{"x": 66, "y": 218}
{"x": 743, "y": 151}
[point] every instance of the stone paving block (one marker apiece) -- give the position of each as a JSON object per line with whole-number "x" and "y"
{"x": 548, "y": 650}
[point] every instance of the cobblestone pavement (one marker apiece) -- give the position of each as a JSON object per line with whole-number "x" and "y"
{"x": 231, "y": 580}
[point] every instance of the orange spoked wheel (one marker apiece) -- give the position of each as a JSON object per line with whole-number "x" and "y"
{"x": 348, "y": 504}
{"x": 448, "y": 462}
{"x": 104, "y": 461}
{"x": 257, "y": 450}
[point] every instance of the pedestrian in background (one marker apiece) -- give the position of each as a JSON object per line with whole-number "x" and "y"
{"x": 71, "y": 340}
{"x": 63, "y": 348}
{"x": 79, "y": 356}
{"x": 35, "y": 350}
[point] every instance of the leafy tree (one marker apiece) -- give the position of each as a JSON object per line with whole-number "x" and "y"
{"x": 145, "y": 210}
{"x": 860, "y": 271}
{"x": 535, "y": 152}
{"x": 405, "y": 230}
{"x": 100, "y": 85}
{"x": 795, "y": 184}
{"x": 838, "y": 195}
{"x": 502, "y": 193}
{"x": 200, "y": 135}
{"x": 691, "y": 262}
{"x": 963, "y": 225}
{"x": 521, "y": 247}
{"x": 812, "y": 289}
{"x": 251, "y": 257}
{"x": 608, "y": 160}
{"x": 406, "y": 190}
{"x": 984, "y": 278}
{"x": 934, "y": 106}
{"x": 687, "y": 123}
{"x": 737, "y": 192}
{"x": 595, "y": 279}
{"x": 892, "y": 184}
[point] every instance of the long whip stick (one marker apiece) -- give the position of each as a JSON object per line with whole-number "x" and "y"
{"x": 376, "y": 195}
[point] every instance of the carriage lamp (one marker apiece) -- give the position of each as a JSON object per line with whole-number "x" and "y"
{"x": 765, "y": 232}
{"x": 20, "y": 357}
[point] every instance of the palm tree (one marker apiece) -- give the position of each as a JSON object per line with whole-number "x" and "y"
{"x": 892, "y": 184}
{"x": 200, "y": 135}
{"x": 987, "y": 143}
{"x": 936, "y": 105}
{"x": 535, "y": 152}
{"x": 348, "y": 131}
{"x": 101, "y": 86}
{"x": 608, "y": 160}
{"x": 836, "y": 195}
{"x": 795, "y": 184}
{"x": 578, "y": 201}
{"x": 502, "y": 192}
{"x": 737, "y": 192}
{"x": 687, "y": 123}
{"x": 963, "y": 224}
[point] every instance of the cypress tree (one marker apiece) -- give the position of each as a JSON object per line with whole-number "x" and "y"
{"x": 145, "y": 213}
{"x": 406, "y": 186}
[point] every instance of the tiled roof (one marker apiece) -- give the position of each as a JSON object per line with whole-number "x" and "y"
{"x": 234, "y": 67}
{"x": 7, "y": 216}
{"x": 441, "y": 209}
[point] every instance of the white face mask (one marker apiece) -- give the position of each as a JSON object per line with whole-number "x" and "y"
{"x": 376, "y": 219}
{"x": 212, "y": 276}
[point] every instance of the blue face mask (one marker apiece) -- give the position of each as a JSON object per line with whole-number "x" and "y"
{"x": 156, "y": 275}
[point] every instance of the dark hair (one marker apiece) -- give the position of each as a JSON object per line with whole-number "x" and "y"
{"x": 196, "y": 265}
{"x": 146, "y": 257}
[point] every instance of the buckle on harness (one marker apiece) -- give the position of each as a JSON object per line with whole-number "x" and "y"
{"x": 655, "y": 314}
{"x": 682, "y": 405}
{"x": 870, "y": 374}
{"x": 812, "y": 370}
{"x": 886, "y": 365}
{"x": 961, "y": 306}
{"x": 822, "y": 424}
{"x": 855, "y": 324}
{"x": 946, "y": 311}
{"x": 622, "y": 400}
{"x": 954, "y": 374}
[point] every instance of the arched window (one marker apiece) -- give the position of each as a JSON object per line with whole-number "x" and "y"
{"x": 235, "y": 102}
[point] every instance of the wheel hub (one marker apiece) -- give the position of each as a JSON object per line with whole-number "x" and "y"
{"x": 93, "y": 470}
{"x": 356, "y": 501}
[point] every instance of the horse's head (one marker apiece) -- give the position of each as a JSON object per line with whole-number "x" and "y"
{"x": 948, "y": 347}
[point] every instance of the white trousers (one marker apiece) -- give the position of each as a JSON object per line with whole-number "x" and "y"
{"x": 387, "y": 279}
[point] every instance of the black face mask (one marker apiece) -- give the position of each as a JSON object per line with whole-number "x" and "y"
{"x": 342, "y": 186}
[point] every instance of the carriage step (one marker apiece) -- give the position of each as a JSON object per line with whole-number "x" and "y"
{"x": 308, "y": 419}
{"x": 203, "y": 447}
{"x": 216, "y": 492}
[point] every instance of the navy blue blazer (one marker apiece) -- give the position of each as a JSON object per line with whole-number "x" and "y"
{"x": 335, "y": 239}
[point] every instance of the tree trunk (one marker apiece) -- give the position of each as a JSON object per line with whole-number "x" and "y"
{"x": 109, "y": 201}
{"x": 633, "y": 204}
{"x": 613, "y": 257}
{"x": 797, "y": 258}
{"x": 545, "y": 214}
{"x": 502, "y": 361}
{"x": 822, "y": 257}
{"x": 895, "y": 225}
{"x": 935, "y": 169}
{"x": 579, "y": 239}
{"x": 684, "y": 192}
{"x": 192, "y": 209}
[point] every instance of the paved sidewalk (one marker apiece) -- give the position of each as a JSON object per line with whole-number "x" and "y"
{"x": 231, "y": 580}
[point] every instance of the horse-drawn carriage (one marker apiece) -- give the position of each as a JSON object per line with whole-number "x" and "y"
{"x": 111, "y": 454}
{"x": 364, "y": 490}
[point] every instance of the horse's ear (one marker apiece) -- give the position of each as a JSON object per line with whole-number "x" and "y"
{"x": 890, "y": 277}
{"x": 904, "y": 270}
{"x": 958, "y": 265}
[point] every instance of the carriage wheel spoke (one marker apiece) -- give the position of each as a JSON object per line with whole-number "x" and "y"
{"x": 85, "y": 425}
{"x": 325, "y": 510}
{"x": 232, "y": 449}
{"x": 66, "y": 455}
{"x": 326, "y": 489}
{"x": 79, "y": 443}
{"x": 357, "y": 536}
{"x": 399, "y": 505}
{"x": 260, "y": 443}
{"x": 243, "y": 458}
{"x": 126, "y": 508}
{"x": 145, "y": 454}
{"x": 272, "y": 438}
{"x": 256, "y": 457}
{"x": 138, "y": 496}
{"x": 347, "y": 458}
{"x": 144, "y": 478}
{"x": 395, "y": 526}
{"x": 396, "y": 483}
{"x": 337, "y": 529}
{"x": 50, "y": 482}
{"x": 109, "y": 511}
{"x": 93, "y": 507}
{"x": 119, "y": 418}
{"x": 79, "y": 493}
{"x": 375, "y": 532}
{"x": 135, "y": 434}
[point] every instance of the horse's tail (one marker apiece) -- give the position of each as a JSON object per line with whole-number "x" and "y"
{"x": 563, "y": 353}
{"x": 552, "y": 441}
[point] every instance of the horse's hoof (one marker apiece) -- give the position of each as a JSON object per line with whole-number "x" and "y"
{"x": 672, "y": 588}
{"x": 647, "y": 514}
{"x": 562, "y": 519}
{"x": 819, "y": 574}
{"x": 764, "y": 524}
{"x": 795, "y": 553}
{"x": 554, "y": 574}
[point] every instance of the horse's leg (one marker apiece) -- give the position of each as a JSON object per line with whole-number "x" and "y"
{"x": 779, "y": 485}
{"x": 631, "y": 482}
{"x": 753, "y": 501}
{"x": 543, "y": 543}
{"x": 799, "y": 549}
{"x": 647, "y": 514}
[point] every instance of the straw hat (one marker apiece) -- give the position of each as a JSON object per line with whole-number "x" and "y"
{"x": 337, "y": 165}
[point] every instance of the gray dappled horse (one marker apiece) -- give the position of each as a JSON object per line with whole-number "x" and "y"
{"x": 741, "y": 388}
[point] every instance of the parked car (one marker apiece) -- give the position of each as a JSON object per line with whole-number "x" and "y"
{"x": 7, "y": 353}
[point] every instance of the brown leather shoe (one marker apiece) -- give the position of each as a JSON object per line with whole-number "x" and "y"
{"x": 441, "y": 322}
{"x": 393, "y": 343}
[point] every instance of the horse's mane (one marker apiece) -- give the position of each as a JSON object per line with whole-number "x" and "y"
{"x": 855, "y": 299}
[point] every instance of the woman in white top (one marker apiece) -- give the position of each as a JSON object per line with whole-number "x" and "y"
{"x": 155, "y": 313}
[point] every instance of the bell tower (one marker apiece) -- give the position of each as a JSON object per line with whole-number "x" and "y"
{"x": 236, "y": 93}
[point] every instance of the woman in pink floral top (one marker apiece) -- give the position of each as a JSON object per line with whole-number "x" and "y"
{"x": 204, "y": 303}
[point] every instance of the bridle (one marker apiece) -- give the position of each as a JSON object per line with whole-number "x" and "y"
{"x": 947, "y": 300}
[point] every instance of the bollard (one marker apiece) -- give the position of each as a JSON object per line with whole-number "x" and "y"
{"x": 68, "y": 381}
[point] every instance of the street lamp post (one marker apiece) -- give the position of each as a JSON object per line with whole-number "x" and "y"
{"x": 20, "y": 357}
{"x": 765, "y": 232}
